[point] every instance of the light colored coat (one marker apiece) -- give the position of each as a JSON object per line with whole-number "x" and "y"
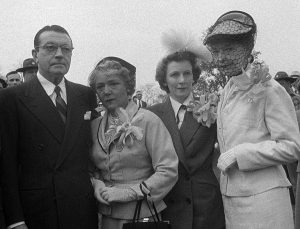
{"x": 152, "y": 159}
{"x": 297, "y": 204}
{"x": 260, "y": 126}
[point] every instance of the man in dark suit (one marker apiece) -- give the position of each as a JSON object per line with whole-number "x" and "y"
{"x": 139, "y": 101}
{"x": 44, "y": 171}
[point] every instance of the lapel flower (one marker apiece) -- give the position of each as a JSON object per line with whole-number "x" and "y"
{"x": 127, "y": 131}
{"x": 258, "y": 74}
{"x": 93, "y": 114}
{"x": 205, "y": 108}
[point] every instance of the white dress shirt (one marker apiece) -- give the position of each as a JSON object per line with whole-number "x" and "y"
{"x": 181, "y": 112}
{"x": 49, "y": 88}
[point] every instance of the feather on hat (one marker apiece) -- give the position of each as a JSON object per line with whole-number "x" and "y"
{"x": 180, "y": 41}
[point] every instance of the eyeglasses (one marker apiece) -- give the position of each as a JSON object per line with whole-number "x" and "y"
{"x": 52, "y": 48}
{"x": 237, "y": 16}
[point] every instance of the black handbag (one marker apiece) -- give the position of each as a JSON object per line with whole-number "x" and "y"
{"x": 157, "y": 223}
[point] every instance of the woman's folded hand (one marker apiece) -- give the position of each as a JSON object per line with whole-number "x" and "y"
{"x": 226, "y": 160}
{"x": 98, "y": 186}
{"x": 114, "y": 194}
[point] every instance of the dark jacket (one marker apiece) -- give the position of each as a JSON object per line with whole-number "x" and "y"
{"x": 195, "y": 201}
{"x": 44, "y": 171}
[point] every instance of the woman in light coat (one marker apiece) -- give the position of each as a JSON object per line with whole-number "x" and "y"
{"x": 130, "y": 146}
{"x": 257, "y": 130}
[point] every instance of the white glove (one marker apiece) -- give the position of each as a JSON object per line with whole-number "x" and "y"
{"x": 113, "y": 194}
{"x": 98, "y": 186}
{"x": 226, "y": 160}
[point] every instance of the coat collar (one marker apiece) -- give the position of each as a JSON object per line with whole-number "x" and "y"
{"x": 40, "y": 104}
{"x": 76, "y": 108}
{"x": 168, "y": 118}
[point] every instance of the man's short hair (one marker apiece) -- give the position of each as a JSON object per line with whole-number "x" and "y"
{"x": 12, "y": 73}
{"x": 54, "y": 28}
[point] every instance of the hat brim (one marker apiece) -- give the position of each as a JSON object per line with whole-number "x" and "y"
{"x": 289, "y": 79}
{"x": 228, "y": 28}
{"x": 26, "y": 68}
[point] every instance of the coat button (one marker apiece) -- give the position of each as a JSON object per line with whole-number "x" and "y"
{"x": 188, "y": 200}
{"x": 187, "y": 178}
{"x": 41, "y": 147}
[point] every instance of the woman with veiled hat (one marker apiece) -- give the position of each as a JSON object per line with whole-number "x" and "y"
{"x": 195, "y": 201}
{"x": 131, "y": 147}
{"x": 257, "y": 130}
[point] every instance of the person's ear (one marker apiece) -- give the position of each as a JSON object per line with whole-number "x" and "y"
{"x": 250, "y": 58}
{"x": 34, "y": 55}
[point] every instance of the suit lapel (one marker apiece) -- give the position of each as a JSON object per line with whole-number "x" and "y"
{"x": 40, "y": 104}
{"x": 75, "y": 118}
{"x": 168, "y": 118}
{"x": 188, "y": 128}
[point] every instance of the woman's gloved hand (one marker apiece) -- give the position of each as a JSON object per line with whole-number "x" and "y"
{"x": 114, "y": 194}
{"x": 98, "y": 186}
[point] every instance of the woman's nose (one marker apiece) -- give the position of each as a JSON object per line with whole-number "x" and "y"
{"x": 181, "y": 78}
{"x": 107, "y": 89}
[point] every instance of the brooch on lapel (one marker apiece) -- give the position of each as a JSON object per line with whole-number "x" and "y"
{"x": 258, "y": 74}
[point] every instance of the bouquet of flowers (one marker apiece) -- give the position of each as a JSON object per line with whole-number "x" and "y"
{"x": 204, "y": 108}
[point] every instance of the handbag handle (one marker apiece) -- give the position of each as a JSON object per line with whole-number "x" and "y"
{"x": 155, "y": 215}
{"x": 137, "y": 211}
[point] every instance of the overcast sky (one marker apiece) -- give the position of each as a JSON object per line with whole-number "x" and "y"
{"x": 131, "y": 29}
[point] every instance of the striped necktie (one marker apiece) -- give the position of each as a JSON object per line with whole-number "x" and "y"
{"x": 61, "y": 106}
{"x": 179, "y": 117}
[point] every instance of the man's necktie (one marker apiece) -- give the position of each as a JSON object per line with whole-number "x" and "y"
{"x": 61, "y": 106}
{"x": 180, "y": 115}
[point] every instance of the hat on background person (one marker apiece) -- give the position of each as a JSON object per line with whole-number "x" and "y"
{"x": 283, "y": 76}
{"x": 28, "y": 63}
{"x": 295, "y": 74}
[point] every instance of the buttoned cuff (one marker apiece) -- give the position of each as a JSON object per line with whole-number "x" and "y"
{"x": 226, "y": 160}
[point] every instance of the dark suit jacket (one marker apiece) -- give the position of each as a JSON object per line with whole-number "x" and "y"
{"x": 195, "y": 201}
{"x": 2, "y": 222}
{"x": 45, "y": 177}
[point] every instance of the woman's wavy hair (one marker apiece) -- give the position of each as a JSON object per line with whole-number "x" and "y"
{"x": 111, "y": 67}
{"x": 161, "y": 69}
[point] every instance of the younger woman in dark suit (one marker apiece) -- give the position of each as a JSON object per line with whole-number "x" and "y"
{"x": 195, "y": 201}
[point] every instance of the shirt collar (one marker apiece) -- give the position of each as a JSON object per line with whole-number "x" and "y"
{"x": 49, "y": 86}
{"x": 176, "y": 105}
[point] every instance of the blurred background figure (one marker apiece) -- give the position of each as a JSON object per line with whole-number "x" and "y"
{"x": 286, "y": 81}
{"x": 296, "y": 75}
{"x": 2, "y": 83}
{"x": 13, "y": 79}
{"x": 29, "y": 69}
{"x": 139, "y": 101}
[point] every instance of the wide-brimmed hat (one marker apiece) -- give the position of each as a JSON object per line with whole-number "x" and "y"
{"x": 232, "y": 23}
{"x": 124, "y": 63}
{"x": 284, "y": 76}
{"x": 28, "y": 64}
{"x": 295, "y": 74}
